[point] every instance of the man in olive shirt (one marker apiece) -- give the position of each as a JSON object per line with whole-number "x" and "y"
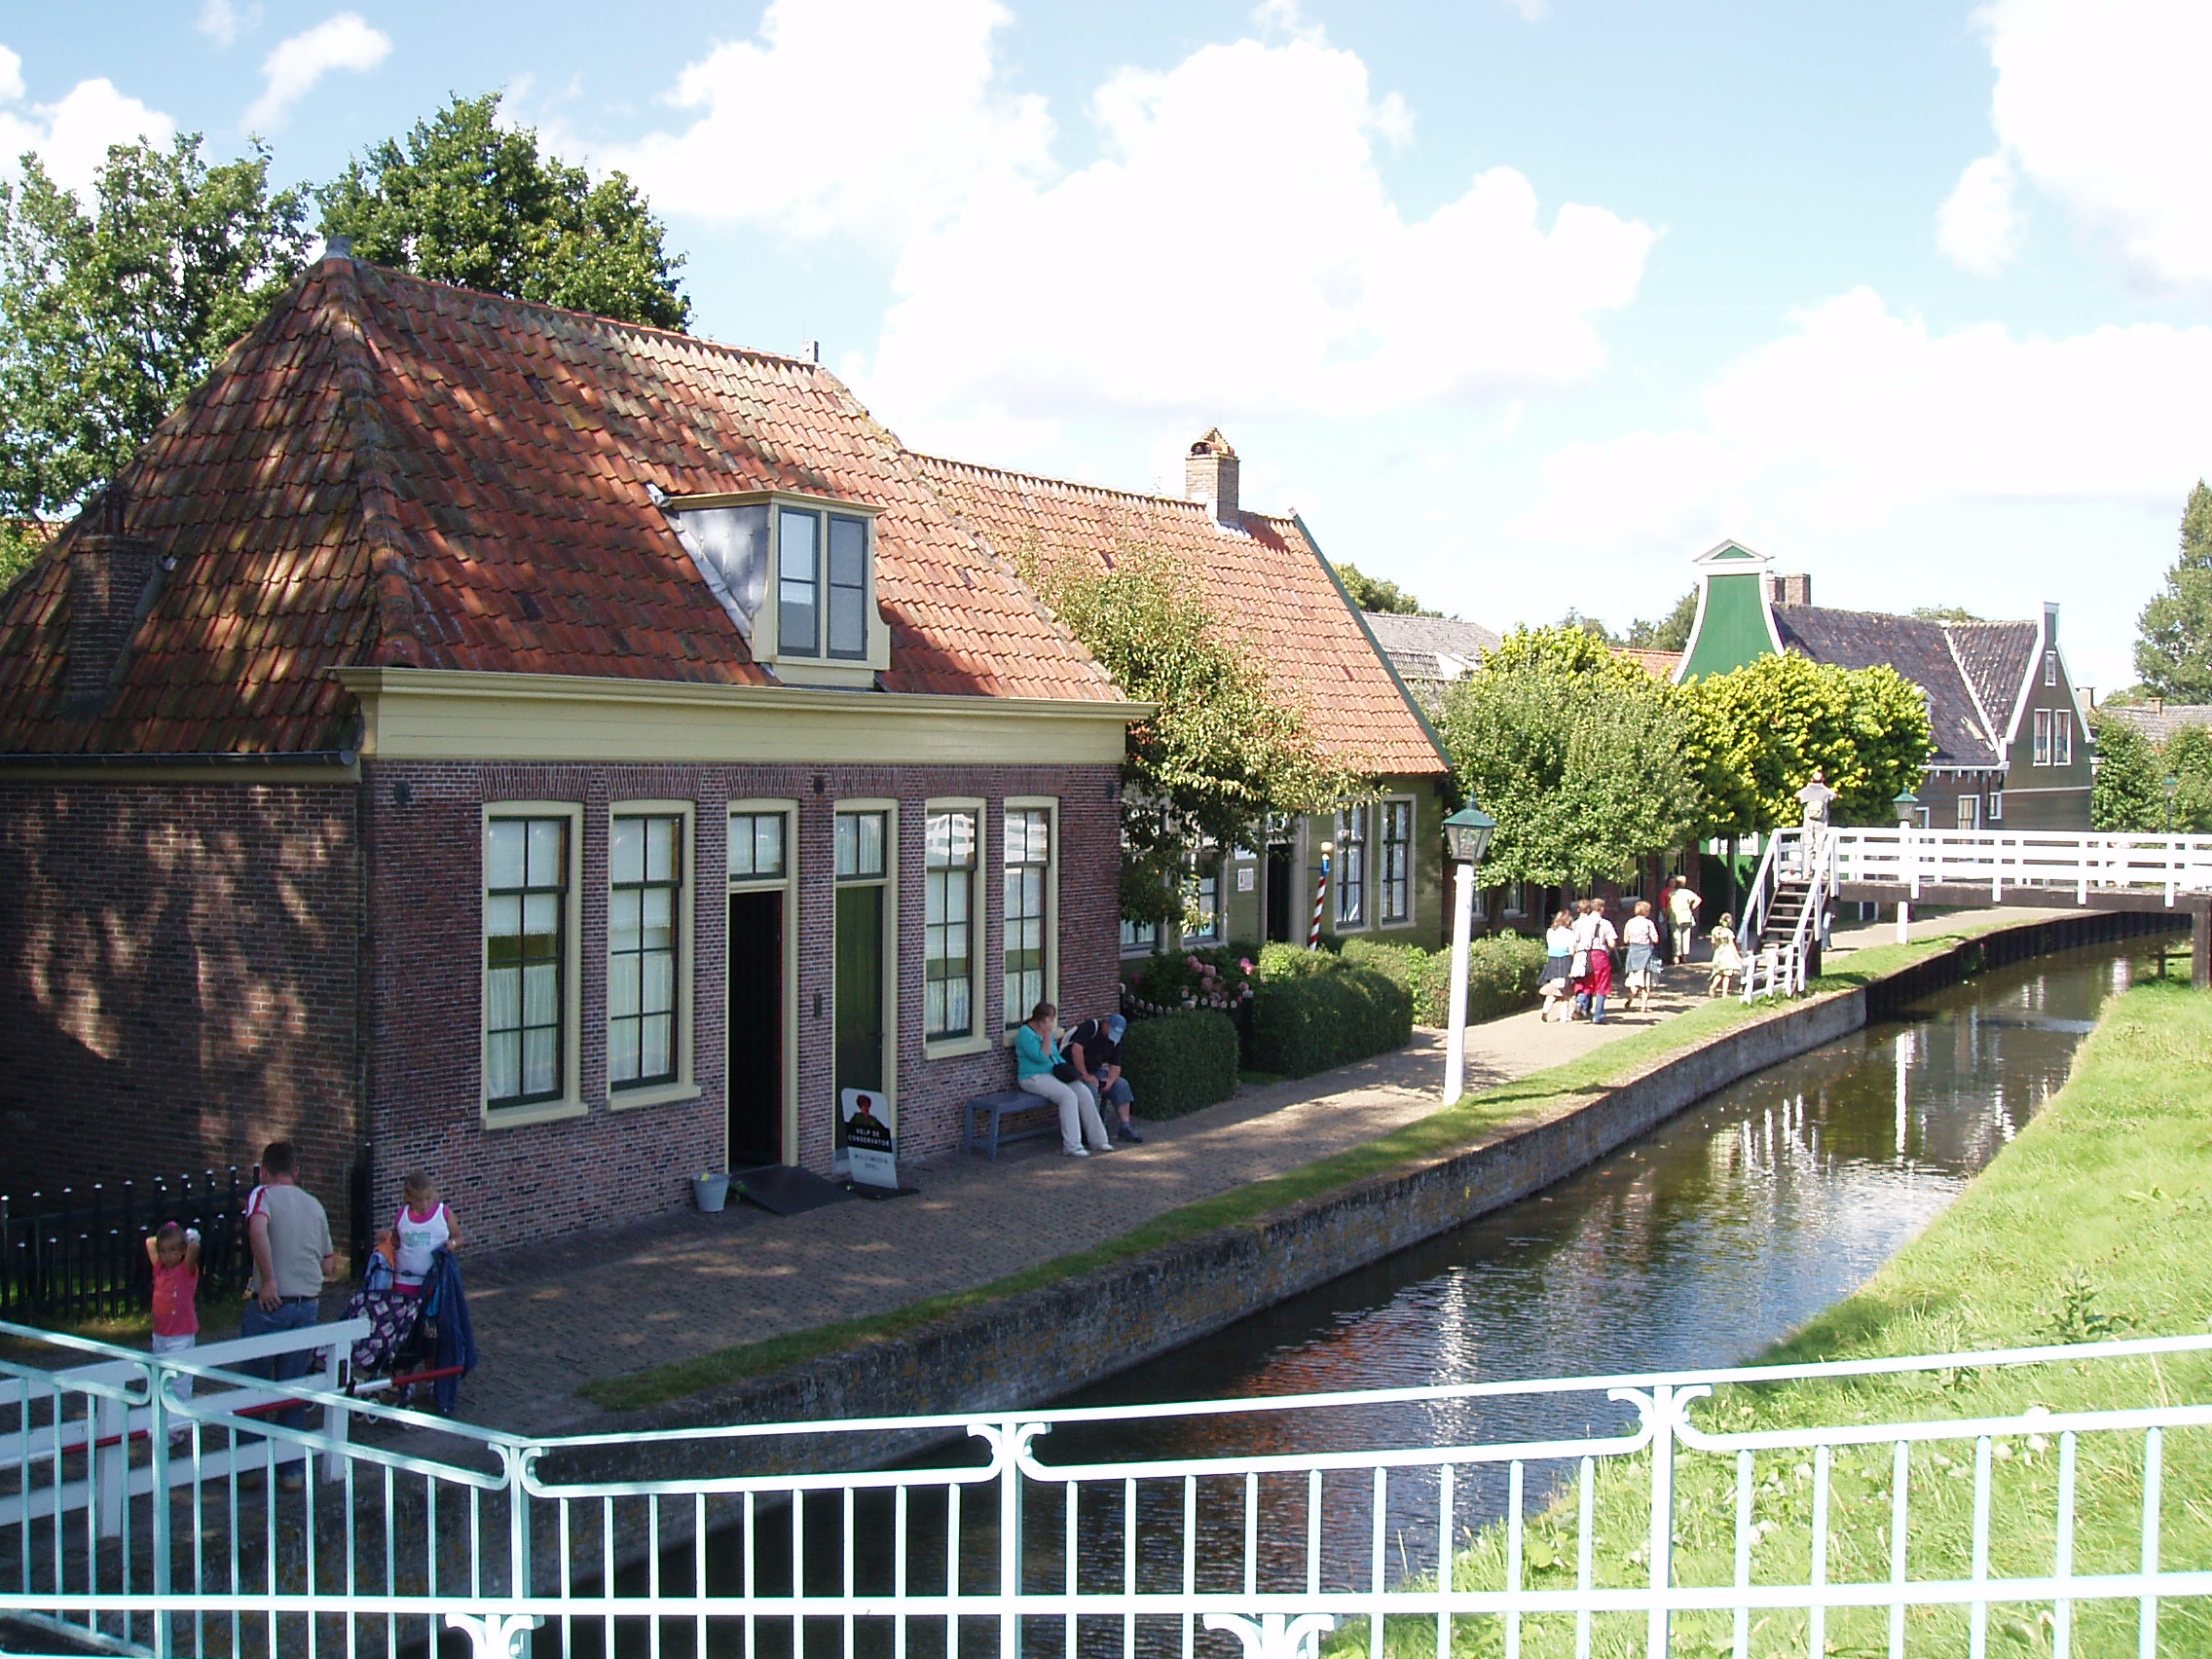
{"x": 1094, "y": 1047}
{"x": 292, "y": 1258}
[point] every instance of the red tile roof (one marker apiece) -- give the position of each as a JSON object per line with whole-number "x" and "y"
{"x": 1262, "y": 576}
{"x": 392, "y": 472}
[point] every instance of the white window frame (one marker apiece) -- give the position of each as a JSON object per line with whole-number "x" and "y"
{"x": 889, "y": 880}
{"x": 976, "y": 1038}
{"x": 570, "y": 1102}
{"x": 1009, "y": 1017}
{"x": 2043, "y": 725}
{"x": 1140, "y": 938}
{"x": 2051, "y": 668}
{"x": 1355, "y": 812}
{"x": 2061, "y": 738}
{"x": 684, "y": 1085}
{"x": 1996, "y": 806}
{"x": 1967, "y": 812}
{"x": 1383, "y": 886}
{"x": 1207, "y": 867}
{"x": 787, "y": 885}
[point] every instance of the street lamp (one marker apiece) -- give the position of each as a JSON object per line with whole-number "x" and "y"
{"x": 1906, "y": 805}
{"x": 1466, "y": 838}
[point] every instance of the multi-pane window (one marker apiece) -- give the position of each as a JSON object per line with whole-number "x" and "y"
{"x": 2051, "y": 668}
{"x": 2043, "y": 737}
{"x": 948, "y": 880}
{"x": 1351, "y": 866}
{"x": 1140, "y": 935}
{"x": 1203, "y": 902}
{"x": 1970, "y": 812}
{"x": 1996, "y": 806}
{"x": 2061, "y": 738}
{"x": 1027, "y": 868}
{"x": 526, "y": 901}
{"x": 848, "y": 586}
{"x": 645, "y": 877}
{"x": 798, "y": 583}
{"x": 756, "y": 846}
{"x": 860, "y": 846}
{"x": 1397, "y": 836}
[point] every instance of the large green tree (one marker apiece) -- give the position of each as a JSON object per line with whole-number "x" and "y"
{"x": 1375, "y": 593}
{"x": 1579, "y": 756}
{"x": 2173, "y": 650}
{"x": 112, "y": 310}
{"x": 2127, "y": 789}
{"x": 1668, "y": 633}
{"x": 1758, "y": 733}
{"x": 1224, "y": 750}
{"x": 463, "y": 199}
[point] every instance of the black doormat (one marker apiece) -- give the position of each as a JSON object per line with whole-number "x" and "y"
{"x": 861, "y": 1190}
{"x": 783, "y": 1190}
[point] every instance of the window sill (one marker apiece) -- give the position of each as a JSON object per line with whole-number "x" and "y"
{"x": 523, "y": 1117}
{"x": 952, "y": 1048}
{"x": 1408, "y": 921}
{"x": 653, "y": 1094}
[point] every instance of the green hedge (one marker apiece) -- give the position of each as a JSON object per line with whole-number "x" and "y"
{"x": 1503, "y": 974}
{"x": 1330, "y": 1016}
{"x": 1177, "y": 1063}
{"x": 1279, "y": 962}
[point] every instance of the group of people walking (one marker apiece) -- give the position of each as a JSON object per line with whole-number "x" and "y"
{"x": 1579, "y": 969}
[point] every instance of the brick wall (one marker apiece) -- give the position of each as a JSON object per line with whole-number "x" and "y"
{"x": 178, "y": 973}
{"x": 510, "y": 1185}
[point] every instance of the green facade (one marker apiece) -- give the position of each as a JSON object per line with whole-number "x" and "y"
{"x": 1732, "y": 618}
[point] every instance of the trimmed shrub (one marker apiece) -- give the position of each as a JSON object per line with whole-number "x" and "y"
{"x": 1177, "y": 1063}
{"x": 1503, "y": 974}
{"x": 1205, "y": 977}
{"x": 1296, "y": 961}
{"x": 1328, "y": 1018}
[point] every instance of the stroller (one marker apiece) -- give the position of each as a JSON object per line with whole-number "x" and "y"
{"x": 417, "y": 1344}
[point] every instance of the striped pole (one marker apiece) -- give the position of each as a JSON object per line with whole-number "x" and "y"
{"x": 1320, "y": 898}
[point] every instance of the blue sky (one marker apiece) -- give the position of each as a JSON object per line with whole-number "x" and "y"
{"x": 1520, "y": 304}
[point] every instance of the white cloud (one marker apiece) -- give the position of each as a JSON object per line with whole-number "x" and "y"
{"x": 1978, "y": 225}
{"x": 342, "y": 42}
{"x": 1859, "y": 415}
{"x": 2098, "y": 106}
{"x": 223, "y": 21}
{"x": 71, "y": 137}
{"x": 870, "y": 118}
{"x": 1233, "y": 249}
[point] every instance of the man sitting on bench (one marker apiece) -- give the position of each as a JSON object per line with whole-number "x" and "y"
{"x": 1094, "y": 1047}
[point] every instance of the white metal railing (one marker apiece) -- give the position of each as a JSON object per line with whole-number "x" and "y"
{"x": 2085, "y": 862}
{"x": 1215, "y": 1528}
{"x": 1759, "y": 898}
{"x": 1784, "y": 967}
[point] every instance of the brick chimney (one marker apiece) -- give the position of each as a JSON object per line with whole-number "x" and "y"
{"x": 1209, "y": 475}
{"x": 1791, "y": 590}
{"x": 109, "y": 573}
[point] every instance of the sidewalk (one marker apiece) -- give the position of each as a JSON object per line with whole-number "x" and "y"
{"x": 548, "y": 1317}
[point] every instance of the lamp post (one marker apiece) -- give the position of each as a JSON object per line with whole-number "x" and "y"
{"x": 1466, "y": 838}
{"x": 1907, "y": 808}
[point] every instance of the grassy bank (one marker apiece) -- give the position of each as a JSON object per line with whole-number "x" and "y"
{"x": 2095, "y": 1222}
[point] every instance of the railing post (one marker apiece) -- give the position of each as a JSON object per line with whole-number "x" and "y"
{"x": 157, "y": 1455}
{"x": 1659, "y": 1642}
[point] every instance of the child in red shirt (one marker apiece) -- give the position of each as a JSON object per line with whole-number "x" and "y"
{"x": 174, "y": 1252}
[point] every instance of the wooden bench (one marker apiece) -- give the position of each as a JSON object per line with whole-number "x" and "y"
{"x": 982, "y": 1112}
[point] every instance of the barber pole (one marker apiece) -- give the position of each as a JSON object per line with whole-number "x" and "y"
{"x": 1321, "y": 899}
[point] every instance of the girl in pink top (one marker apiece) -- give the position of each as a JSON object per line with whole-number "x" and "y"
{"x": 174, "y": 1253}
{"x": 421, "y": 1228}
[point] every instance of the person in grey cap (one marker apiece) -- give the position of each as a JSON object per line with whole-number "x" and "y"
{"x": 1094, "y": 1047}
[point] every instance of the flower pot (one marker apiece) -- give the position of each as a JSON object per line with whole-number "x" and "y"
{"x": 710, "y": 1191}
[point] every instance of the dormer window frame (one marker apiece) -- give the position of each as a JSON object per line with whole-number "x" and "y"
{"x": 817, "y": 594}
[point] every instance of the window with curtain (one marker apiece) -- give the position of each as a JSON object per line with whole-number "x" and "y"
{"x": 1397, "y": 860}
{"x": 644, "y": 910}
{"x": 1351, "y": 866}
{"x": 948, "y": 880}
{"x": 1203, "y": 897}
{"x": 1027, "y": 868}
{"x": 526, "y": 901}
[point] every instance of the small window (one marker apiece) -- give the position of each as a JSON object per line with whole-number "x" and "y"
{"x": 860, "y": 846}
{"x": 1137, "y": 937}
{"x": 2043, "y": 737}
{"x": 756, "y": 846}
{"x": 646, "y": 868}
{"x": 2051, "y": 668}
{"x": 1203, "y": 902}
{"x": 526, "y": 902}
{"x": 1351, "y": 868}
{"x": 948, "y": 925}
{"x": 1027, "y": 867}
{"x": 1996, "y": 806}
{"x": 848, "y": 586}
{"x": 2061, "y": 738}
{"x": 1970, "y": 812}
{"x": 1397, "y": 860}
{"x": 798, "y": 583}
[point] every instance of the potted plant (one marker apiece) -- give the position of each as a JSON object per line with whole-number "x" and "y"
{"x": 710, "y": 1191}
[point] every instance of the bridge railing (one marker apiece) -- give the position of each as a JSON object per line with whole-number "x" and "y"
{"x": 1682, "y": 1512}
{"x": 2082, "y": 862}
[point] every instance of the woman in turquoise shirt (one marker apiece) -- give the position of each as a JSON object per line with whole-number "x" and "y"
{"x": 1036, "y": 1052}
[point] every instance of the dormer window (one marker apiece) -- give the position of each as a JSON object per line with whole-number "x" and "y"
{"x": 814, "y": 558}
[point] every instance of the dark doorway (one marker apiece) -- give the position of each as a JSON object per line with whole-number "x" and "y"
{"x": 1282, "y": 892}
{"x": 755, "y": 1029}
{"x": 859, "y": 993}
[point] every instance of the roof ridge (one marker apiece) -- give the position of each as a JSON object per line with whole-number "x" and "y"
{"x": 1077, "y": 485}
{"x": 1973, "y": 691}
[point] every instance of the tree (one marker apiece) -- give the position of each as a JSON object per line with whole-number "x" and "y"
{"x": 1579, "y": 756}
{"x": 1759, "y": 731}
{"x": 2127, "y": 791}
{"x": 1590, "y": 625}
{"x": 2173, "y": 650}
{"x": 1668, "y": 633}
{"x": 1373, "y": 593}
{"x": 468, "y": 200}
{"x": 1944, "y": 613}
{"x": 1224, "y": 750}
{"x": 110, "y": 314}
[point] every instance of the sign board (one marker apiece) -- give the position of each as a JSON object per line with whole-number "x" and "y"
{"x": 868, "y": 1147}
{"x": 1246, "y": 878}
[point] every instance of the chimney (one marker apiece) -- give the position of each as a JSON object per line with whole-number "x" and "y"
{"x": 1209, "y": 475}
{"x": 109, "y": 573}
{"x": 1791, "y": 590}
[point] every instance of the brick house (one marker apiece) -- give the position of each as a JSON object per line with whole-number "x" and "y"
{"x": 1265, "y": 576}
{"x": 558, "y": 753}
{"x": 2011, "y": 742}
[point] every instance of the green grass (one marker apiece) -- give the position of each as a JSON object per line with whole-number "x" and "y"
{"x": 1441, "y": 1134}
{"x": 2095, "y": 1222}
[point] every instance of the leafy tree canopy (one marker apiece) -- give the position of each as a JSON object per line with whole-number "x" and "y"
{"x": 1759, "y": 731}
{"x": 110, "y": 312}
{"x": 1373, "y": 593}
{"x": 1590, "y": 625}
{"x": 2187, "y": 758}
{"x": 1578, "y": 755}
{"x": 1668, "y": 633}
{"x": 1944, "y": 613}
{"x": 2127, "y": 789}
{"x": 464, "y": 200}
{"x": 1224, "y": 749}
{"x": 2173, "y": 648}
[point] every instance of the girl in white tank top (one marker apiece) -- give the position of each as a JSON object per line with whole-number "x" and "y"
{"x": 421, "y": 1228}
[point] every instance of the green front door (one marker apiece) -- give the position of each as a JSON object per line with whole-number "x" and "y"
{"x": 859, "y": 993}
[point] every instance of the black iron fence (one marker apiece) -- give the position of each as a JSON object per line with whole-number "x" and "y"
{"x": 80, "y": 1252}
